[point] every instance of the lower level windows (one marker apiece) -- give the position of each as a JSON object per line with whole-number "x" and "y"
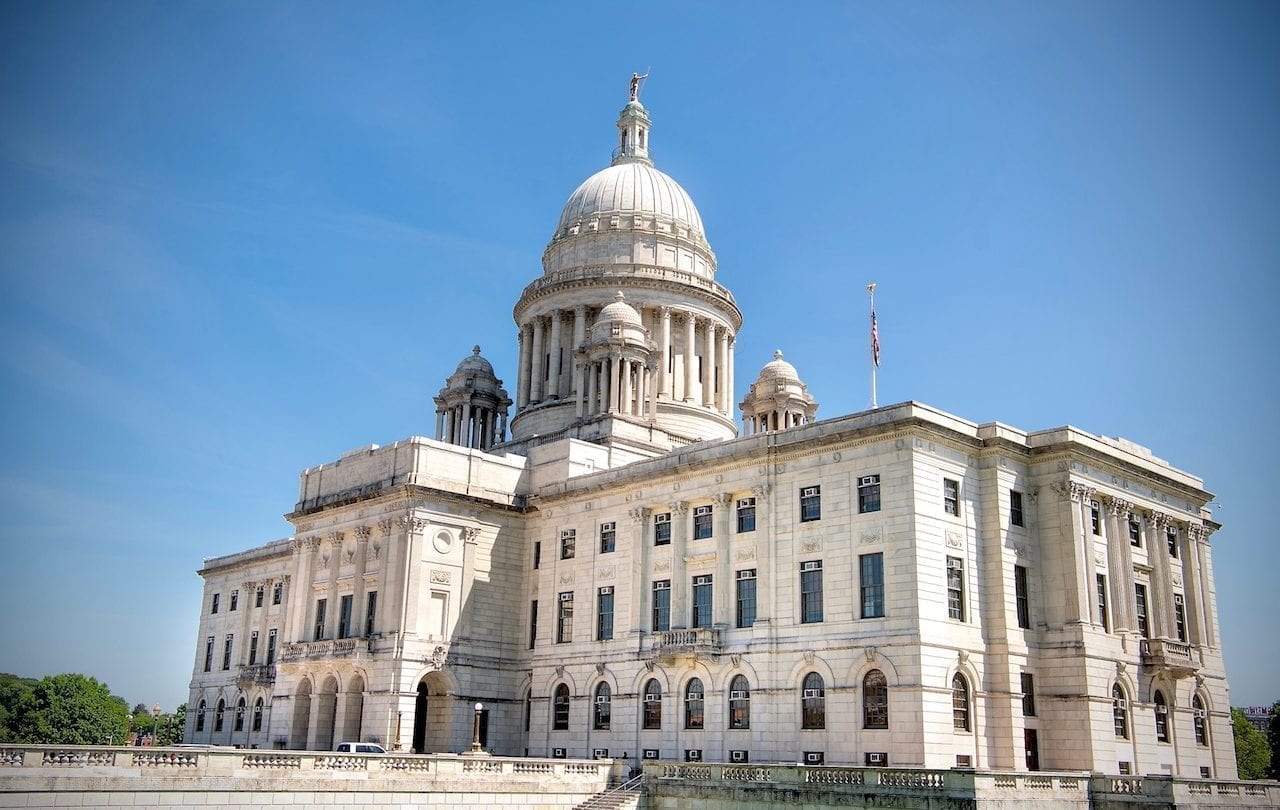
{"x": 813, "y": 702}
{"x": 960, "y": 719}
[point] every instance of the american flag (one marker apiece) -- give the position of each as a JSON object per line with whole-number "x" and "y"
{"x": 875, "y": 340}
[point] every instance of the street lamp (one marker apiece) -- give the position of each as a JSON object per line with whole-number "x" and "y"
{"x": 475, "y": 731}
{"x": 155, "y": 728}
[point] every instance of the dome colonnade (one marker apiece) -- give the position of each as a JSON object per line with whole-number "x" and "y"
{"x": 471, "y": 409}
{"x": 631, "y": 229}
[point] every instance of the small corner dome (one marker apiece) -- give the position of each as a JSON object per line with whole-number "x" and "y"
{"x": 627, "y": 189}
{"x": 619, "y": 311}
{"x": 474, "y": 362}
{"x": 778, "y": 369}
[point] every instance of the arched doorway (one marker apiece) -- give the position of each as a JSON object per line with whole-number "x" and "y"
{"x": 301, "y": 725}
{"x": 353, "y": 707}
{"x": 432, "y": 726}
{"x": 326, "y": 704}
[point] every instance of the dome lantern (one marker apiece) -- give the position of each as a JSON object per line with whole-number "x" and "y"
{"x": 471, "y": 409}
{"x": 778, "y": 399}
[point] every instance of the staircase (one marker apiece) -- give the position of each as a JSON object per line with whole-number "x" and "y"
{"x": 623, "y": 797}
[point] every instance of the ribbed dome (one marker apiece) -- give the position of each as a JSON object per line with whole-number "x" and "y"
{"x": 779, "y": 369}
{"x": 619, "y": 311}
{"x": 474, "y": 362}
{"x": 630, "y": 188}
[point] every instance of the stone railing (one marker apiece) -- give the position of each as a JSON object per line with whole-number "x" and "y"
{"x": 251, "y": 674}
{"x": 329, "y": 648}
{"x": 1171, "y": 791}
{"x": 132, "y": 768}
{"x": 1178, "y": 657}
{"x": 694, "y": 641}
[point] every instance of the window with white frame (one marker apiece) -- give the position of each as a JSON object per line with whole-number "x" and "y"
{"x": 875, "y": 700}
{"x": 746, "y": 515}
{"x": 568, "y": 543}
{"x": 608, "y": 537}
{"x": 871, "y": 585}
{"x": 652, "y": 704}
{"x": 662, "y": 529}
{"x": 702, "y": 522}
{"x": 604, "y": 613}
{"x": 1162, "y": 718}
{"x": 661, "y": 605}
{"x": 810, "y": 504}
{"x": 1179, "y": 617}
{"x": 739, "y": 703}
{"x": 951, "y": 496}
{"x": 702, "y": 601}
{"x": 868, "y": 494}
{"x": 955, "y": 588}
{"x": 564, "y": 618}
{"x": 745, "y": 613}
{"x": 693, "y": 704}
{"x": 813, "y": 702}
{"x": 811, "y": 591}
{"x": 1119, "y": 712}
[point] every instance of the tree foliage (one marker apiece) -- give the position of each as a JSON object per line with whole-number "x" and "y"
{"x": 1253, "y": 755}
{"x": 12, "y": 688}
{"x": 1273, "y": 738}
{"x": 69, "y": 709}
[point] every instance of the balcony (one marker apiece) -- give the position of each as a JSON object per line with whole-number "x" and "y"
{"x": 1178, "y": 658}
{"x": 698, "y": 641}
{"x": 251, "y": 674}
{"x": 329, "y": 648}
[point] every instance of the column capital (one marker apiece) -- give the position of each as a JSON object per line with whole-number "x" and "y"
{"x": 722, "y": 499}
{"x": 1158, "y": 520}
{"x": 1073, "y": 491}
{"x": 639, "y": 514}
{"x": 678, "y": 507}
{"x": 761, "y": 491}
{"x": 1118, "y": 506}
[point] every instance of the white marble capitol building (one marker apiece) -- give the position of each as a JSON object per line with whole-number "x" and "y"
{"x": 639, "y": 564}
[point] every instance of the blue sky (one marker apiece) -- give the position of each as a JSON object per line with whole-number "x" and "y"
{"x": 239, "y": 239}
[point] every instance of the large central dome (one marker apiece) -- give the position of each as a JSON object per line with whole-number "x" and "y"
{"x": 630, "y": 189}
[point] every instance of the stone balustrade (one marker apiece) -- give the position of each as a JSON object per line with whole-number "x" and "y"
{"x": 694, "y": 641}
{"x": 329, "y": 648}
{"x": 1178, "y": 657}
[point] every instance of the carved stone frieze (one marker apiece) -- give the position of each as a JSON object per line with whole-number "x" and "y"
{"x": 662, "y": 567}
{"x": 605, "y": 572}
{"x": 566, "y": 578}
{"x": 811, "y": 545}
{"x": 869, "y": 537}
{"x": 955, "y": 539}
{"x": 440, "y": 576}
{"x": 744, "y": 554}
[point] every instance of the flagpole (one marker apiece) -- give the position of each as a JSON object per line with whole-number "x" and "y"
{"x": 875, "y": 359}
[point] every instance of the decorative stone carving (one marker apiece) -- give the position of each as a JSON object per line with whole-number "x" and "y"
{"x": 441, "y": 577}
{"x": 470, "y": 534}
{"x": 600, "y": 668}
{"x": 349, "y": 554}
{"x": 955, "y": 539}
{"x": 566, "y": 578}
{"x": 761, "y": 491}
{"x": 335, "y": 538}
{"x": 1100, "y": 559}
{"x": 678, "y": 507}
{"x": 385, "y": 527}
{"x": 1118, "y": 506}
{"x": 870, "y": 653}
{"x": 743, "y": 554}
{"x": 735, "y": 659}
{"x": 812, "y": 544}
{"x": 559, "y": 670}
{"x": 605, "y": 572}
{"x": 870, "y": 537}
{"x": 1072, "y": 490}
{"x": 362, "y": 532}
{"x": 439, "y": 657}
{"x": 722, "y": 500}
{"x": 639, "y": 514}
{"x": 1019, "y": 551}
{"x": 1176, "y": 578}
{"x": 416, "y": 525}
{"x": 809, "y": 656}
{"x": 1121, "y": 666}
{"x": 373, "y": 551}
{"x": 662, "y": 567}
{"x": 963, "y": 657}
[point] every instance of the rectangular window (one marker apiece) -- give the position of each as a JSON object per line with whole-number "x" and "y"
{"x": 253, "y": 648}
{"x": 1171, "y": 537}
{"x": 1179, "y": 617}
{"x": 1140, "y": 609}
{"x": 1095, "y": 517}
{"x": 951, "y": 496}
{"x": 277, "y": 593}
{"x": 811, "y": 591}
{"x": 213, "y": 608}
{"x": 1028, "y": 695}
{"x": 608, "y": 537}
{"x": 810, "y": 504}
{"x": 208, "y": 654}
{"x": 871, "y": 584}
{"x": 662, "y": 529}
{"x": 1020, "y": 596}
{"x": 1135, "y": 530}
{"x": 271, "y": 647}
{"x": 564, "y": 619}
{"x": 1015, "y": 508}
{"x": 344, "y": 615}
{"x": 235, "y": 601}
{"x": 533, "y": 623}
{"x": 955, "y": 588}
{"x": 226, "y": 651}
{"x": 702, "y": 522}
{"x": 661, "y": 605}
{"x": 537, "y": 554}
{"x": 321, "y": 605}
{"x": 868, "y": 494}
{"x": 257, "y": 596}
{"x": 568, "y": 543}
{"x": 371, "y": 613}
{"x": 746, "y": 515}
{"x": 1102, "y": 603}
{"x": 745, "y": 614}
{"x": 604, "y": 614}
{"x": 702, "y": 601}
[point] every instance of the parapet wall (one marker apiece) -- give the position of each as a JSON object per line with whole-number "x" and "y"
{"x": 44, "y": 776}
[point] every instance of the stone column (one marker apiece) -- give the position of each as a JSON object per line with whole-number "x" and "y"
{"x": 642, "y": 611}
{"x": 1160, "y": 603}
{"x": 624, "y": 386}
{"x": 357, "y": 586}
{"x": 664, "y": 346}
{"x": 708, "y": 364}
{"x": 593, "y": 386}
{"x": 522, "y": 378}
{"x": 579, "y": 336}
{"x": 615, "y": 383}
{"x": 680, "y": 607}
{"x": 1088, "y": 579}
{"x": 722, "y": 503}
{"x": 1196, "y": 626}
{"x": 553, "y": 386}
{"x": 729, "y": 396}
{"x": 724, "y": 398}
{"x": 1204, "y": 584}
{"x": 580, "y": 371}
{"x": 1119, "y": 564}
{"x": 467, "y": 434}
{"x": 440, "y": 425}
{"x": 539, "y": 357}
{"x": 689, "y": 356}
{"x": 502, "y": 425}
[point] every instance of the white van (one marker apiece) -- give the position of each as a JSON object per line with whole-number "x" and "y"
{"x": 359, "y": 748}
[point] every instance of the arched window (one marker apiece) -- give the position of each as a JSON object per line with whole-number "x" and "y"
{"x": 257, "y": 715}
{"x": 1198, "y": 721}
{"x": 218, "y": 715}
{"x": 875, "y": 700}
{"x": 739, "y": 702}
{"x": 813, "y": 702}
{"x": 1162, "y": 718}
{"x": 200, "y": 712}
{"x": 960, "y": 703}
{"x": 602, "y": 708}
{"x": 561, "y": 707}
{"x": 1120, "y": 712}
{"x": 653, "y": 704}
{"x": 693, "y": 716}
{"x": 240, "y": 706}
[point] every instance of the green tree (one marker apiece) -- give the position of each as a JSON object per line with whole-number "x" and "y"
{"x": 70, "y": 709}
{"x": 1273, "y": 738}
{"x": 12, "y": 688}
{"x": 1253, "y": 755}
